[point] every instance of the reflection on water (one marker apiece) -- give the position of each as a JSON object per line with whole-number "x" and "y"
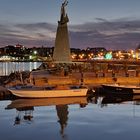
{"x": 118, "y": 98}
{"x": 25, "y": 108}
{"x": 97, "y": 117}
{"x": 62, "y": 113}
{"x": 7, "y": 67}
{"x": 27, "y": 115}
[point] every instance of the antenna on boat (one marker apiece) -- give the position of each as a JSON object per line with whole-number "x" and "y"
{"x": 21, "y": 78}
{"x": 82, "y": 79}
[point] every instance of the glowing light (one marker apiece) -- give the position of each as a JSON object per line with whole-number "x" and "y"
{"x": 108, "y": 56}
{"x": 30, "y": 57}
{"x": 35, "y": 52}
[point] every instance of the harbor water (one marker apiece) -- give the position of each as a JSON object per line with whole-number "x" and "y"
{"x": 8, "y": 67}
{"x": 99, "y": 117}
{"x": 70, "y": 119}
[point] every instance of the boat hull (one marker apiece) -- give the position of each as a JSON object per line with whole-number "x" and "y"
{"x": 136, "y": 91}
{"x": 30, "y": 93}
{"x": 121, "y": 89}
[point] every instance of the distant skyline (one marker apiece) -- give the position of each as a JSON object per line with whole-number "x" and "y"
{"x": 93, "y": 23}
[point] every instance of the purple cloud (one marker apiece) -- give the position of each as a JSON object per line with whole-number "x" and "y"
{"x": 117, "y": 34}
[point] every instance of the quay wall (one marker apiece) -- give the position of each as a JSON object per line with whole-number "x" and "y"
{"x": 90, "y": 78}
{"x": 4, "y": 93}
{"x": 87, "y": 81}
{"x": 109, "y": 80}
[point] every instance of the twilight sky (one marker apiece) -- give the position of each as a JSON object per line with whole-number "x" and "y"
{"x": 113, "y": 24}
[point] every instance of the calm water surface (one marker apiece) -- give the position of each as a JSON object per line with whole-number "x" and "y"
{"x": 70, "y": 119}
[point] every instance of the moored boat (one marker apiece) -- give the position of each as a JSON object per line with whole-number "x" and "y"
{"x": 117, "y": 88}
{"x": 48, "y": 92}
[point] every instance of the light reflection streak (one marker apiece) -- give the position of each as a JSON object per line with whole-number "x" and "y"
{"x": 9, "y": 67}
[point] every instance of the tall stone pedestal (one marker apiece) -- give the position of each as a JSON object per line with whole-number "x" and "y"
{"x": 62, "y": 47}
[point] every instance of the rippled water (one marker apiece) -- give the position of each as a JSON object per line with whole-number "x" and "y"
{"x": 7, "y": 67}
{"x": 54, "y": 119}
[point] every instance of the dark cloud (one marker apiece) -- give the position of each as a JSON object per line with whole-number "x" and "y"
{"x": 101, "y": 20}
{"x": 117, "y": 34}
{"x": 37, "y": 26}
{"x": 41, "y": 35}
{"x": 108, "y": 25}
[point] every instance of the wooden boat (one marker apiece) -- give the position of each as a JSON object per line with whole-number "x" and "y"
{"x": 117, "y": 88}
{"x": 48, "y": 92}
{"x": 23, "y": 103}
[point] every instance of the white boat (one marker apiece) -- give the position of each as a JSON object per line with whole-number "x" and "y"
{"x": 48, "y": 92}
{"x": 23, "y": 103}
{"x": 117, "y": 88}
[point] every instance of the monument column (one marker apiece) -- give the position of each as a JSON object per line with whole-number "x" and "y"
{"x": 62, "y": 47}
